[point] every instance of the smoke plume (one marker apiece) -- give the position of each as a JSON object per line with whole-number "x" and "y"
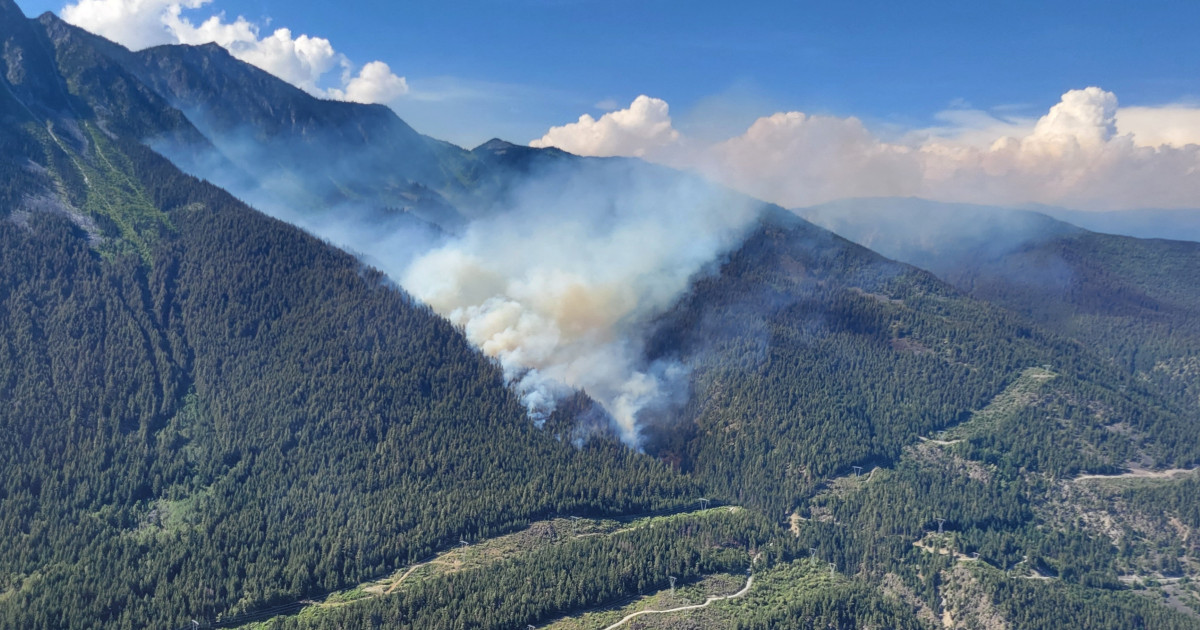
{"x": 559, "y": 284}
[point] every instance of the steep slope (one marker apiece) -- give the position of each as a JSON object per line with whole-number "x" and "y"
{"x": 103, "y": 88}
{"x": 208, "y": 411}
{"x": 811, "y": 354}
{"x": 1132, "y": 300}
{"x": 31, "y": 92}
{"x": 30, "y": 80}
{"x": 274, "y": 137}
{"x": 499, "y": 166}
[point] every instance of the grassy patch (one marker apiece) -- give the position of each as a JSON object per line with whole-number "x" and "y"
{"x": 165, "y": 517}
{"x": 100, "y": 178}
{"x": 540, "y": 535}
{"x": 1023, "y": 392}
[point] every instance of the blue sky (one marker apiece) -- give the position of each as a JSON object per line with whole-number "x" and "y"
{"x": 519, "y": 66}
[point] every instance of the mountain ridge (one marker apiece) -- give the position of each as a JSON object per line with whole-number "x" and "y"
{"x": 1129, "y": 298}
{"x": 797, "y": 308}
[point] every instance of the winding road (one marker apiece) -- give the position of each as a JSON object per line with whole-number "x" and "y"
{"x": 410, "y": 572}
{"x": 707, "y": 602}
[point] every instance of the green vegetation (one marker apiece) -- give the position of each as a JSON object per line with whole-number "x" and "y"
{"x": 127, "y": 219}
{"x": 811, "y": 355}
{"x": 210, "y": 415}
{"x": 1181, "y": 498}
{"x": 1054, "y": 605}
{"x": 575, "y": 573}
{"x": 1133, "y": 302}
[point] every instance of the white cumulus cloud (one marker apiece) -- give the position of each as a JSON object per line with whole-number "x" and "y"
{"x": 1074, "y": 157}
{"x": 1085, "y": 117}
{"x": 135, "y": 23}
{"x": 375, "y": 83}
{"x": 302, "y": 60}
{"x": 1170, "y": 125}
{"x": 791, "y": 157}
{"x": 641, "y": 130}
{"x": 1084, "y": 152}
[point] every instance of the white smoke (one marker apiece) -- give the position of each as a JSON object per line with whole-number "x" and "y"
{"x": 560, "y": 285}
{"x": 302, "y": 60}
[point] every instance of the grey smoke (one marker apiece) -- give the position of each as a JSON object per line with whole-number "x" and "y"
{"x": 558, "y": 281}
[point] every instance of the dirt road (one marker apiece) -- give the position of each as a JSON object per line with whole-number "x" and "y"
{"x": 707, "y": 602}
{"x": 1140, "y": 474}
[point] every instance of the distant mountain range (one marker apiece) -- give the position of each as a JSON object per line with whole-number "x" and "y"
{"x": 1133, "y": 300}
{"x": 1175, "y": 225}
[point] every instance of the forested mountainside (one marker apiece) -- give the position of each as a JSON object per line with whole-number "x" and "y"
{"x": 1134, "y": 301}
{"x": 208, "y": 411}
{"x": 974, "y": 435}
{"x": 216, "y": 417}
{"x": 875, "y": 404}
{"x": 812, "y": 354}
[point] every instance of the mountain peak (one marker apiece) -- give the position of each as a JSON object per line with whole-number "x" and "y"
{"x": 508, "y": 150}
{"x": 27, "y": 66}
{"x": 213, "y": 48}
{"x": 495, "y": 145}
{"x": 47, "y": 17}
